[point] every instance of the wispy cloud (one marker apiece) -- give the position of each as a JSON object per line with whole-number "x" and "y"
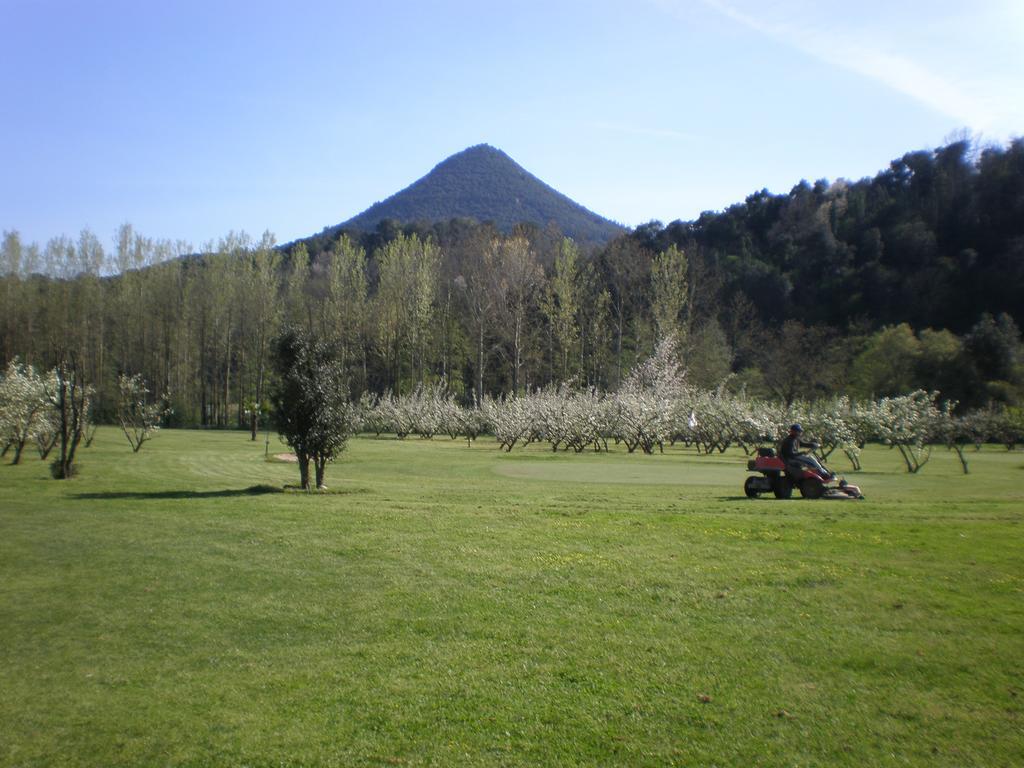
{"x": 964, "y": 102}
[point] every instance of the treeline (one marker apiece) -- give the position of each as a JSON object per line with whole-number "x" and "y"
{"x": 908, "y": 280}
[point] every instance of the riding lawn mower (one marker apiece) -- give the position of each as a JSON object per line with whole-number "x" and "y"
{"x": 779, "y": 478}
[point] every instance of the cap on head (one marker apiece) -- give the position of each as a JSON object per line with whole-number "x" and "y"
{"x": 796, "y": 428}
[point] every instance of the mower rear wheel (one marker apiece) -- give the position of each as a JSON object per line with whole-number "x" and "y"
{"x": 750, "y": 487}
{"x": 782, "y": 487}
{"x": 811, "y": 488}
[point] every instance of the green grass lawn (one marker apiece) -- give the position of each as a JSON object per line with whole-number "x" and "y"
{"x": 455, "y": 606}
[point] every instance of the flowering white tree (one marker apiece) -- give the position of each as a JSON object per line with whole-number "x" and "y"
{"x": 47, "y": 431}
{"x": 955, "y": 432}
{"x": 570, "y": 418}
{"x": 23, "y": 407}
{"x": 472, "y": 422}
{"x": 428, "y": 410}
{"x": 591, "y": 421}
{"x": 1006, "y": 426}
{"x": 369, "y": 415}
{"x": 719, "y": 419}
{"x": 753, "y": 422}
{"x": 396, "y": 414}
{"x": 510, "y": 419}
{"x": 424, "y": 406}
{"x": 830, "y": 422}
{"x": 647, "y": 403}
{"x": 138, "y": 418}
{"x": 910, "y": 423}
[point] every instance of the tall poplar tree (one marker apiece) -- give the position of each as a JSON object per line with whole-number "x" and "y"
{"x": 670, "y": 294}
{"x": 561, "y": 304}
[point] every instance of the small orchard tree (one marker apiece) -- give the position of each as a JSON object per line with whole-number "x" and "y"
{"x": 23, "y": 405}
{"x": 510, "y": 419}
{"x": 831, "y": 424}
{"x": 955, "y": 431}
{"x": 138, "y": 418}
{"x": 70, "y": 397}
{"x": 47, "y": 431}
{"x": 1007, "y": 426}
{"x": 909, "y": 423}
{"x": 311, "y": 406}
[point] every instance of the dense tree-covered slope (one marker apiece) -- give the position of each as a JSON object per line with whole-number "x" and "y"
{"x": 933, "y": 240}
{"x": 485, "y": 184}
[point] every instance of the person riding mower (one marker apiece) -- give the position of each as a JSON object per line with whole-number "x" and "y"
{"x": 791, "y": 467}
{"x": 789, "y": 450}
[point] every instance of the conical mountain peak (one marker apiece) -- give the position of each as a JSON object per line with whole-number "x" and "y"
{"x": 483, "y": 183}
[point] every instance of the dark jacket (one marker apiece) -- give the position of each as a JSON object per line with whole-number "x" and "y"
{"x": 791, "y": 446}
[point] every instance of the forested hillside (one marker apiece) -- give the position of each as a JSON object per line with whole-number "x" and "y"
{"x": 935, "y": 239}
{"x": 910, "y": 279}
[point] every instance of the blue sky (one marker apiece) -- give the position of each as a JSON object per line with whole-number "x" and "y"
{"x": 191, "y": 119}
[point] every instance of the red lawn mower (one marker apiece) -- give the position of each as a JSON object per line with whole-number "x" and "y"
{"x": 778, "y": 478}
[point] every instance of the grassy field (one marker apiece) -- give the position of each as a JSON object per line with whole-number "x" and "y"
{"x": 456, "y": 606}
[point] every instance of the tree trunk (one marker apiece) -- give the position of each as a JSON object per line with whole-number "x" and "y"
{"x": 240, "y": 386}
{"x": 255, "y": 424}
{"x": 618, "y": 351}
{"x": 203, "y": 374}
{"x": 320, "y": 465}
{"x": 365, "y": 373}
{"x": 516, "y": 355}
{"x": 303, "y": 470}
{"x": 960, "y": 455}
{"x": 480, "y": 367}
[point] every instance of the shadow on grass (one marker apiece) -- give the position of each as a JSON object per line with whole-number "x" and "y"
{"x": 255, "y": 490}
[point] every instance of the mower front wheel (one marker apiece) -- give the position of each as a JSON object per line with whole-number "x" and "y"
{"x": 750, "y": 487}
{"x": 811, "y": 488}
{"x": 782, "y": 487}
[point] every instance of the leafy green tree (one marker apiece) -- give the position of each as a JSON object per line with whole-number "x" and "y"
{"x": 311, "y": 405}
{"x": 708, "y": 355}
{"x": 409, "y": 270}
{"x": 888, "y": 364}
{"x": 670, "y": 294}
{"x": 474, "y": 286}
{"x": 296, "y": 299}
{"x": 515, "y": 281}
{"x": 996, "y": 354}
{"x": 625, "y": 270}
{"x": 11, "y": 289}
{"x": 939, "y": 363}
{"x": 561, "y": 303}
{"x": 129, "y": 301}
{"x": 11, "y": 250}
{"x": 346, "y": 304}
{"x": 596, "y": 327}
{"x": 263, "y": 309}
{"x": 798, "y": 361}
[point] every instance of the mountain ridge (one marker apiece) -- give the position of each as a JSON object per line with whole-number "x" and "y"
{"x": 483, "y": 183}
